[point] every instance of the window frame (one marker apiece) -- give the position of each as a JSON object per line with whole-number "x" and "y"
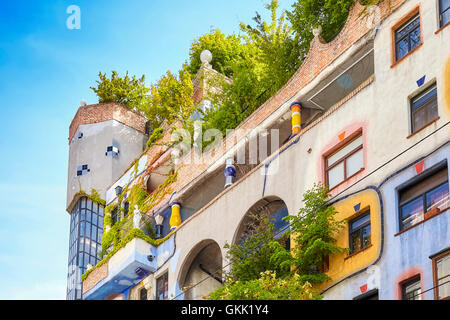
{"x": 141, "y": 290}
{"x": 423, "y": 195}
{"x": 428, "y": 89}
{"x": 343, "y": 159}
{"x": 409, "y": 281}
{"x": 165, "y": 293}
{"x": 435, "y": 274}
{"x": 361, "y": 215}
{"x": 410, "y": 20}
{"x": 440, "y": 14}
{"x": 402, "y": 22}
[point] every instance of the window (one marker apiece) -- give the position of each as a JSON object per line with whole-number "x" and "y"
{"x": 359, "y": 230}
{"x": 441, "y": 276}
{"x": 424, "y": 108}
{"x": 444, "y": 12}
{"x": 424, "y": 196}
{"x": 114, "y": 216}
{"x": 143, "y": 294}
{"x": 126, "y": 208}
{"x": 162, "y": 287}
{"x": 345, "y": 163}
{"x": 411, "y": 289}
{"x": 113, "y": 150}
{"x": 82, "y": 170}
{"x": 407, "y": 37}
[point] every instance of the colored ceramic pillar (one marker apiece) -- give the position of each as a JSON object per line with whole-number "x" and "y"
{"x": 175, "y": 217}
{"x": 230, "y": 173}
{"x": 296, "y": 118}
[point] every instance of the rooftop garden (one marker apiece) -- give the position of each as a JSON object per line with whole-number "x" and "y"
{"x": 259, "y": 61}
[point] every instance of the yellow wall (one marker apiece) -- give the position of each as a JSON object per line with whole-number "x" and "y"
{"x": 447, "y": 86}
{"x": 341, "y": 265}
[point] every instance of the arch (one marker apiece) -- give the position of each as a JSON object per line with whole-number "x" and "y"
{"x": 204, "y": 259}
{"x": 273, "y": 206}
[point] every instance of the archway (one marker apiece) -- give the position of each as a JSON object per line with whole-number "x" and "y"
{"x": 201, "y": 273}
{"x": 274, "y": 209}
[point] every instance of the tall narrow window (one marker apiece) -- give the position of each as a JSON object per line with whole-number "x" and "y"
{"x": 424, "y": 108}
{"x": 126, "y": 208}
{"x": 162, "y": 287}
{"x": 359, "y": 229}
{"x": 344, "y": 163}
{"x": 407, "y": 37}
{"x": 411, "y": 289}
{"x": 441, "y": 276}
{"x": 444, "y": 12}
{"x": 143, "y": 294}
{"x": 114, "y": 216}
{"x": 420, "y": 198}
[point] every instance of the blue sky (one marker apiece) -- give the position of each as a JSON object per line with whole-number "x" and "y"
{"x": 45, "y": 71}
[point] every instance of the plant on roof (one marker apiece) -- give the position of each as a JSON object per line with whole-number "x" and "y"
{"x": 131, "y": 92}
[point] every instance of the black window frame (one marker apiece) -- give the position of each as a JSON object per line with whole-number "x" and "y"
{"x": 142, "y": 295}
{"x": 114, "y": 216}
{"x": 429, "y": 89}
{"x": 126, "y": 208}
{"x": 359, "y": 229}
{"x": 397, "y": 40}
{"x": 441, "y": 13}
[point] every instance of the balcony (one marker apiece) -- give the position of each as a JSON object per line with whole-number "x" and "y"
{"x": 136, "y": 257}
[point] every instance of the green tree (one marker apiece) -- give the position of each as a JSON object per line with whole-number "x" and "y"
{"x": 313, "y": 230}
{"x": 268, "y": 58}
{"x": 306, "y": 15}
{"x": 130, "y": 92}
{"x": 226, "y": 50}
{"x": 258, "y": 252}
{"x": 267, "y": 287}
{"x": 261, "y": 259}
{"x": 171, "y": 98}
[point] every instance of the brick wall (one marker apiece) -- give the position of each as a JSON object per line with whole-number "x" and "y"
{"x": 106, "y": 111}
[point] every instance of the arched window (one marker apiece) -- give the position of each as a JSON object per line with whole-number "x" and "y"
{"x": 143, "y": 294}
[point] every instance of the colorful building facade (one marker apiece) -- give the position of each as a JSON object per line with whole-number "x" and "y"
{"x": 367, "y": 114}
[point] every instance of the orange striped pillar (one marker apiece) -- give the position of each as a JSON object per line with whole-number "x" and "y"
{"x": 296, "y": 118}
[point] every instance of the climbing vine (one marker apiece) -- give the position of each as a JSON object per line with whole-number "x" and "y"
{"x": 123, "y": 231}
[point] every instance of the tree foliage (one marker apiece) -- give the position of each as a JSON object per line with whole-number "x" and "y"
{"x": 226, "y": 50}
{"x": 313, "y": 230}
{"x": 307, "y": 15}
{"x": 262, "y": 259}
{"x": 267, "y": 287}
{"x": 130, "y": 92}
{"x": 269, "y": 57}
{"x": 171, "y": 98}
{"x": 258, "y": 252}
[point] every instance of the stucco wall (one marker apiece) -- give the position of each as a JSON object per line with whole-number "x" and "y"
{"x": 90, "y": 150}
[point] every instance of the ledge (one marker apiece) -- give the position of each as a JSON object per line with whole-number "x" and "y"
{"x": 442, "y": 28}
{"x": 357, "y": 252}
{"x": 406, "y": 56}
{"x": 419, "y": 130}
